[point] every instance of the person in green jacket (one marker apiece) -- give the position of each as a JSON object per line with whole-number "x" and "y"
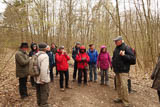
{"x": 22, "y": 67}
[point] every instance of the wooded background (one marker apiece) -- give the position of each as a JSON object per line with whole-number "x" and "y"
{"x": 66, "y": 21}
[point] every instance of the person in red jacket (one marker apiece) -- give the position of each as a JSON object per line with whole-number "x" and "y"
{"x": 82, "y": 58}
{"x": 62, "y": 66}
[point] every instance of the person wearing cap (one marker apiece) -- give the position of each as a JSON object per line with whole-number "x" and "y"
{"x": 22, "y": 67}
{"x": 34, "y": 50}
{"x": 51, "y": 62}
{"x": 93, "y": 55}
{"x": 82, "y": 59}
{"x": 62, "y": 59}
{"x": 75, "y": 52}
{"x": 121, "y": 66}
{"x": 42, "y": 81}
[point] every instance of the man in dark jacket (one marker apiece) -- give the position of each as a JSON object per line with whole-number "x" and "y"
{"x": 156, "y": 77}
{"x": 22, "y": 67}
{"x": 75, "y": 52}
{"x": 51, "y": 62}
{"x": 121, "y": 65}
{"x": 93, "y": 55}
{"x": 34, "y": 50}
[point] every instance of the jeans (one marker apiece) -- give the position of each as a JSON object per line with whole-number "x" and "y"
{"x": 42, "y": 91}
{"x": 93, "y": 69}
{"x": 75, "y": 70}
{"x": 80, "y": 73}
{"x": 62, "y": 73}
{"x": 104, "y": 76}
{"x": 23, "y": 87}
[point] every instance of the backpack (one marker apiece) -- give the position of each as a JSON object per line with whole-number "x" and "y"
{"x": 34, "y": 69}
{"x": 133, "y": 59}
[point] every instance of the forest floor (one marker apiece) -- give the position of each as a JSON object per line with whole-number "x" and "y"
{"x": 92, "y": 95}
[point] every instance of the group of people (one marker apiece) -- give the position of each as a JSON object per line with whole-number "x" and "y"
{"x": 84, "y": 60}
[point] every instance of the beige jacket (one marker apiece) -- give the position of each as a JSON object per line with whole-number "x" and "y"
{"x": 43, "y": 63}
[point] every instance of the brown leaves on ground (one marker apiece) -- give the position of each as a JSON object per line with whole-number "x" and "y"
{"x": 92, "y": 95}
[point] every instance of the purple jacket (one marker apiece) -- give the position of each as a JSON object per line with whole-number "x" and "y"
{"x": 104, "y": 60}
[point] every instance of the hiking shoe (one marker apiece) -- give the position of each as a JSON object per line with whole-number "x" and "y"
{"x": 102, "y": 84}
{"x": 68, "y": 87}
{"x": 74, "y": 80}
{"x": 90, "y": 81}
{"x": 95, "y": 81}
{"x": 117, "y": 101}
{"x": 62, "y": 90}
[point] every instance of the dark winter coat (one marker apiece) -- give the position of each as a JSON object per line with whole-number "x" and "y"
{"x": 156, "y": 76}
{"x": 93, "y": 55}
{"x": 51, "y": 59}
{"x": 75, "y": 52}
{"x": 54, "y": 50}
{"x": 33, "y": 52}
{"x": 22, "y": 64}
{"x": 121, "y": 63}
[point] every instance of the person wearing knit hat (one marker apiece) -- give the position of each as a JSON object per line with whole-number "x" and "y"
{"x": 42, "y": 46}
{"x": 42, "y": 81}
{"x": 75, "y": 52}
{"x": 22, "y": 65}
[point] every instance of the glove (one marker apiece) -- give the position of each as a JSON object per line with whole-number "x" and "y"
{"x": 83, "y": 59}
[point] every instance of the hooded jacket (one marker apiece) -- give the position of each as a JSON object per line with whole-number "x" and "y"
{"x": 33, "y": 52}
{"x": 62, "y": 61}
{"x": 104, "y": 60}
{"x": 82, "y": 64}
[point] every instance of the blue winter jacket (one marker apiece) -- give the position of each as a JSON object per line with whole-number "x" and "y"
{"x": 51, "y": 59}
{"x": 93, "y": 55}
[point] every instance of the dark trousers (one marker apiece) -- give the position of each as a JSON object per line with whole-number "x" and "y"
{"x": 56, "y": 72}
{"x": 32, "y": 81}
{"x": 42, "y": 91}
{"x": 158, "y": 92}
{"x": 62, "y": 74}
{"x": 75, "y": 70}
{"x": 23, "y": 87}
{"x": 51, "y": 74}
{"x": 80, "y": 73}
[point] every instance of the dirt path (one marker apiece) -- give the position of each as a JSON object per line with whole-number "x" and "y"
{"x": 92, "y": 95}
